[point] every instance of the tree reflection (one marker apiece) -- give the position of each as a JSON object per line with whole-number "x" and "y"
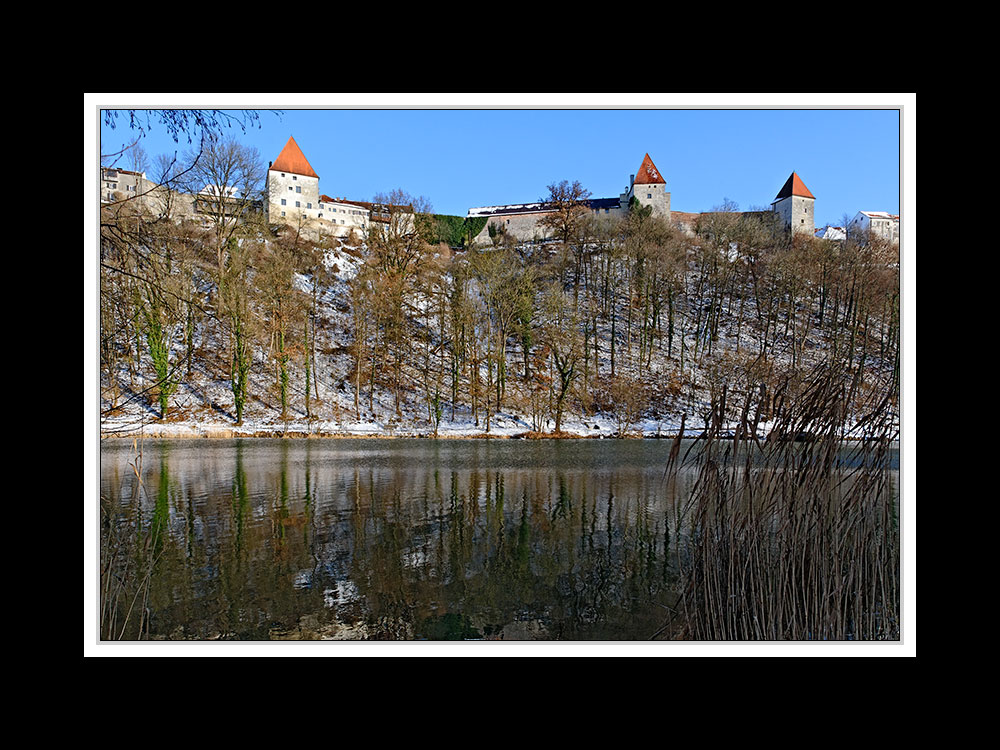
{"x": 272, "y": 542}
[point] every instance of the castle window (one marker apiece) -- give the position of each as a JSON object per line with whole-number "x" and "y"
{"x": 284, "y": 202}
{"x": 298, "y": 188}
{"x": 309, "y": 205}
{"x": 294, "y": 177}
{"x": 649, "y": 195}
{"x": 297, "y": 204}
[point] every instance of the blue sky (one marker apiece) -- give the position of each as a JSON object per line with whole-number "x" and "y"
{"x": 460, "y": 158}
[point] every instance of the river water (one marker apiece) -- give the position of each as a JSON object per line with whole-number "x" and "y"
{"x": 391, "y": 539}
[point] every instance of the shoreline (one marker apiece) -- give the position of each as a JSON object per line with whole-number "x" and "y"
{"x": 192, "y": 432}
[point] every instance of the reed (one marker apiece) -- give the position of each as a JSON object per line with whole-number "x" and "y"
{"x": 128, "y": 558}
{"x": 794, "y": 537}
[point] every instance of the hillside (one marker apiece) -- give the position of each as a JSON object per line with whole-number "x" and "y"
{"x": 681, "y": 321}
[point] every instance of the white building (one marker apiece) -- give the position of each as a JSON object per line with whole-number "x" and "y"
{"x": 294, "y": 199}
{"x": 830, "y": 232}
{"x": 877, "y": 224}
{"x": 292, "y": 187}
{"x": 121, "y": 184}
{"x": 215, "y": 191}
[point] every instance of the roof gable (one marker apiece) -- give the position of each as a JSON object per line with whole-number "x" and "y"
{"x": 648, "y": 173}
{"x": 291, "y": 159}
{"x": 794, "y": 186}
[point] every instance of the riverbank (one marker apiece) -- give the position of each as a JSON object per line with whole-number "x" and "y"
{"x": 503, "y": 429}
{"x": 324, "y": 431}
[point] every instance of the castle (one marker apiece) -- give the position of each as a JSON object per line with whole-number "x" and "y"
{"x": 293, "y": 197}
{"x": 794, "y": 207}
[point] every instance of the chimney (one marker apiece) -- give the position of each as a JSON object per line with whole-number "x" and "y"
{"x": 631, "y": 180}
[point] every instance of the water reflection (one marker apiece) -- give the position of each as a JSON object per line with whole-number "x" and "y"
{"x": 403, "y": 539}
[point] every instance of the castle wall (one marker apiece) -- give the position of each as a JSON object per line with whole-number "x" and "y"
{"x": 524, "y": 226}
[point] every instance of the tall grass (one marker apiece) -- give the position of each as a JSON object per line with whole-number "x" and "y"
{"x": 128, "y": 557}
{"x": 794, "y": 537}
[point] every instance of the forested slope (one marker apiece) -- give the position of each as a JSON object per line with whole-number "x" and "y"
{"x": 614, "y": 328}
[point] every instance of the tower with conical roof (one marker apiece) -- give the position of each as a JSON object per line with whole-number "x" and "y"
{"x": 796, "y": 206}
{"x": 649, "y": 188}
{"x": 292, "y": 186}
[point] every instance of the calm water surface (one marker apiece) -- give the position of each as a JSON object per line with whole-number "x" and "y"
{"x": 399, "y": 539}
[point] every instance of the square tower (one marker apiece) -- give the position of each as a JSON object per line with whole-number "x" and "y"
{"x": 796, "y": 206}
{"x": 650, "y": 189}
{"x": 292, "y": 187}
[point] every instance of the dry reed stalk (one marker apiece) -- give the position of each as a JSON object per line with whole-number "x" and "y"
{"x": 794, "y": 538}
{"x": 127, "y": 563}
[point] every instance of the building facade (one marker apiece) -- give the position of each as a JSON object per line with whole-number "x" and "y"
{"x": 294, "y": 198}
{"x": 877, "y": 224}
{"x": 122, "y": 184}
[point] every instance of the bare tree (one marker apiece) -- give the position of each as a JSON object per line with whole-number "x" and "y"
{"x": 183, "y": 122}
{"x": 227, "y": 179}
{"x": 560, "y": 333}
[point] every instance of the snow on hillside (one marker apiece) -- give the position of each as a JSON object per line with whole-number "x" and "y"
{"x": 203, "y": 404}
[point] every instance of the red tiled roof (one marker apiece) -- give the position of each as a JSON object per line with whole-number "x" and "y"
{"x": 291, "y": 159}
{"x": 327, "y": 199}
{"x": 648, "y": 173}
{"x": 794, "y": 186}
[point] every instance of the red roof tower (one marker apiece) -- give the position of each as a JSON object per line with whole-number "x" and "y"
{"x": 291, "y": 159}
{"x": 649, "y": 174}
{"x": 794, "y": 186}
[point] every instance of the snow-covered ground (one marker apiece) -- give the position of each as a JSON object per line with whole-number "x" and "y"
{"x": 502, "y": 426}
{"x": 203, "y": 404}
